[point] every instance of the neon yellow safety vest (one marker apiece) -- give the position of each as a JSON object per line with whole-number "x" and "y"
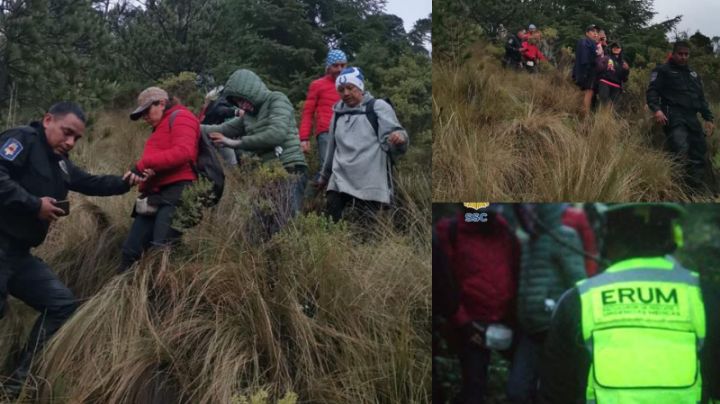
{"x": 643, "y": 322}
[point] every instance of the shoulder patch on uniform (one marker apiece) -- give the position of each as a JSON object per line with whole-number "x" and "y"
{"x": 653, "y": 76}
{"x": 11, "y": 149}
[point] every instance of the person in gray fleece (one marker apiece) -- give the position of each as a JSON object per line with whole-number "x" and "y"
{"x": 357, "y": 169}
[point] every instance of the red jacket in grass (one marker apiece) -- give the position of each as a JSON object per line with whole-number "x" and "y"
{"x": 171, "y": 154}
{"x": 576, "y": 219}
{"x": 485, "y": 259}
{"x": 531, "y": 52}
{"x": 321, "y": 97}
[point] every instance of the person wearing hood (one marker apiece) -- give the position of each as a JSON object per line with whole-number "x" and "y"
{"x": 357, "y": 169}
{"x": 266, "y": 127}
{"x": 675, "y": 96}
{"x": 552, "y": 262}
{"x": 612, "y": 71}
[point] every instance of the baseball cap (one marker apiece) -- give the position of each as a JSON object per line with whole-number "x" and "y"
{"x": 146, "y": 98}
{"x": 591, "y": 27}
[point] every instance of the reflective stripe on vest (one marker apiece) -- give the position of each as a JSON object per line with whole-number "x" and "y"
{"x": 643, "y": 323}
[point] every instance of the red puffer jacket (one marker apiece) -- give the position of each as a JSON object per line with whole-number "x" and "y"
{"x": 531, "y": 52}
{"x": 321, "y": 97}
{"x": 485, "y": 258}
{"x": 171, "y": 154}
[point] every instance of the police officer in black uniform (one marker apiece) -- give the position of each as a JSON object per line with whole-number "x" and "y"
{"x": 675, "y": 96}
{"x": 35, "y": 174}
{"x": 513, "y": 57}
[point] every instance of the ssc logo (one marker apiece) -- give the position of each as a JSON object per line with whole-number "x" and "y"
{"x": 475, "y": 217}
{"x": 481, "y": 217}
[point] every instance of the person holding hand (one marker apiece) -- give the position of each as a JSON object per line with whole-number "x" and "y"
{"x": 35, "y": 177}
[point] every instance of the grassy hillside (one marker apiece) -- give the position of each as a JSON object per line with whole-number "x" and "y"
{"x": 502, "y": 135}
{"x": 322, "y": 312}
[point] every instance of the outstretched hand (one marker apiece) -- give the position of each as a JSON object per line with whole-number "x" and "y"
{"x": 218, "y": 139}
{"x": 132, "y": 179}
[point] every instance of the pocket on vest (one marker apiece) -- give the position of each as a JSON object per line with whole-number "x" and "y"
{"x": 632, "y": 357}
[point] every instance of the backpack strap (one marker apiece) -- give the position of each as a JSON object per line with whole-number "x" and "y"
{"x": 173, "y": 116}
{"x": 170, "y": 123}
{"x": 371, "y": 115}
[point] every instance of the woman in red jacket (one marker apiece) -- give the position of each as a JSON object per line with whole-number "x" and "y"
{"x": 167, "y": 167}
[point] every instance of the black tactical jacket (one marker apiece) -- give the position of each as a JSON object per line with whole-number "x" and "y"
{"x": 29, "y": 170}
{"x": 677, "y": 91}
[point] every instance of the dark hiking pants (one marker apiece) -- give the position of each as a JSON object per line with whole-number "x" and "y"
{"x": 608, "y": 93}
{"x": 146, "y": 232}
{"x": 30, "y": 280}
{"x": 688, "y": 146}
{"x": 337, "y": 201}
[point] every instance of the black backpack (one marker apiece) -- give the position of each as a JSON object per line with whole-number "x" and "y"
{"x": 372, "y": 117}
{"x": 208, "y": 166}
{"x": 218, "y": 112}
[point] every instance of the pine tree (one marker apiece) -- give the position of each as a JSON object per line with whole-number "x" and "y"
{"x": 54, "y": 50}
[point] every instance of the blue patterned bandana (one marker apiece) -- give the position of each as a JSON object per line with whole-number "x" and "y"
{"x": 335, "y": 56}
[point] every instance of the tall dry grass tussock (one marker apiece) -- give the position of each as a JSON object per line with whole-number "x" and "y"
{"x": 328, "y": 312}
{"x": 503, "y": 135}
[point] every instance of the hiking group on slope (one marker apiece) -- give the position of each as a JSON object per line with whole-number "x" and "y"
{"x": 358, "y": 137}
{"x": 675, "y": 93}
{"x": 522, "y": 51}
{"x": 675, "y": 96}
{"x": 600, "y": 69}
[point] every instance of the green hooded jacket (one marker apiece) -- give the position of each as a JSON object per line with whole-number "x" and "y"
{"x": 551, "y": 264}
{"x": 271, "y": 125}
